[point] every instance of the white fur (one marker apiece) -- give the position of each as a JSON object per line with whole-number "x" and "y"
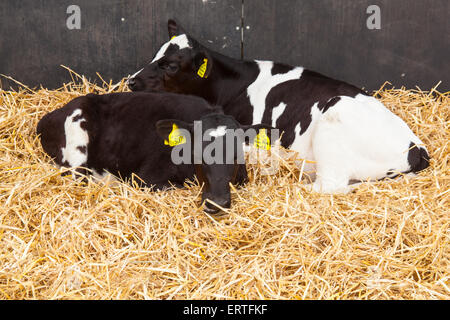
{"x": 220, "y": 131}
{"x": 358, "y": 138}
{"x": 182, "y": 41}
{"x": 303, "y": 143}
{"x": 277, "y": 112}
{"x": 75, "y": 137}
{"x": 260, "y": 88}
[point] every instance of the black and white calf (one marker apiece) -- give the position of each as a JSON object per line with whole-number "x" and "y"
{"x": 347, "y": 133}
{"x": 129, "y": 133}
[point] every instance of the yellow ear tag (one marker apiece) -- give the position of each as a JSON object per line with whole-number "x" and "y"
{"x": 201, "y": 71}
{"x": 173, "y": 37}
{"x": 175, "y": 137}
{"x": 262, "y": 141}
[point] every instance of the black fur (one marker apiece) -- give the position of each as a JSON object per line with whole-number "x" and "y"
{"x": 418, "y": 158}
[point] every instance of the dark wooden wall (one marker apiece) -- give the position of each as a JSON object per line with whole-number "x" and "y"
{"x": 331, "y": 36}
{"x": 117, "y": 37}
{"x": 35, "y": 41}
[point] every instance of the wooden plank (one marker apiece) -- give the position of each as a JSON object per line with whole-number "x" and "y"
{"x": 331, "y": 37}
{"x": 116, "y": 37}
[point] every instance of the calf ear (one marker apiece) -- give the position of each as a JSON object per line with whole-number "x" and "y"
{"x": 168, "y": 129}
{"x": 174, "y": 28}
{"x": 203, "y": 64}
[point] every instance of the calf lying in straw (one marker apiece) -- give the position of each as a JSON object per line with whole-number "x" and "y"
{"x": 149, "y": 135}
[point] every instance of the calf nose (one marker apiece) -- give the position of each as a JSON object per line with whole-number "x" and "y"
{"x": 224, "y": 203}
{"x": 212, "y": 208}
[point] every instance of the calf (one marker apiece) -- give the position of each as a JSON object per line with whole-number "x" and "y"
{"x": 136, "y": 133}
{"x": 346, "y": 133}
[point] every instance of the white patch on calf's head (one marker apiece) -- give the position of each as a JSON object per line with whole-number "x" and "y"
{"x": 181, "y": 41}
{"x": 77, "y": 140}
{"x": 220, "y": 131}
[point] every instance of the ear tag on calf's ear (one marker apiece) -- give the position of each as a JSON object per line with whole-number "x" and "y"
{"x": 201, "y": 71}
{"x": 175, "y": 137}
{"x": 262, "y": 141}
{"x": 173, "y": 37}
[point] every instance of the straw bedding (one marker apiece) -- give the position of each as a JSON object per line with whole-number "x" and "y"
{"x": 67, "y": 239}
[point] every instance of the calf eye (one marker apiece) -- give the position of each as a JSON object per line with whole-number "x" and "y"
{"x": 171, "y": 67}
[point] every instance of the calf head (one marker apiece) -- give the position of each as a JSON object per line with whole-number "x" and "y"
{"x": 215, "y": 144}
{"x": 181, "y": 66}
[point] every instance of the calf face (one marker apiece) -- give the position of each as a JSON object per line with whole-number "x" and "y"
{"x": 216, "y": 146}
{"x": 181, "y": 65}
